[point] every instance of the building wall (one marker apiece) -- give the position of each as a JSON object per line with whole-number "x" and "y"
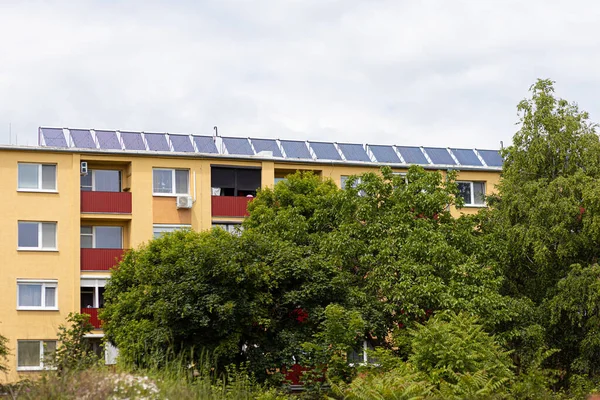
{"x": 64, "y": 208}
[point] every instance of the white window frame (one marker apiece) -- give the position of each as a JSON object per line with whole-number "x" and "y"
{"x": 472, "y": 203}
{"x": 41, "y": 366}
{"x": 45, "y": 283}
{"x": 403, "y": 175}
{"x": 40, "y": 239}
{"x": 39, "y": 188}
{"x": 93, "y": 234}
{"x": 173, "y": 192}
{"x": 365, "y": 355}
{"x": 358, "y": 181}
{"x": 168, "y": 228}
{"x": 235, "y": 228}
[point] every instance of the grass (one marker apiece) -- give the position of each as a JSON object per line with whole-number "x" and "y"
{"x": 175, "y": 380}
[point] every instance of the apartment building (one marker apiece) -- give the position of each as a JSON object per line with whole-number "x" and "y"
{"x": 76, "y": 202}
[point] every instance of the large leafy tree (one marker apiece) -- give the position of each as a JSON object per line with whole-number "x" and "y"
{"x": 383, "y": 254}
{"x": 544, "y": 225}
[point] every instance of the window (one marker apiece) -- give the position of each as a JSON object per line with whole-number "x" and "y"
{"x": 170, "y": 181}
{"x": 159, "y": 230}
{"x": 33, "y": 354}
{"x": 403, "y": 176}
{"x": 36, "y": 295}
{"x": 344, "y": 179}
{"x": 101, "y": 180}
{"x": 37, "y": 177}
{"x": 235, "y": 229}
{"x": 101, "y": 237}
{"x": 241, "y": 182}
{"x": 357, "y": 181}
{"x": 473, "y": 193}
{"x": 360, "y": 356}
{"x": 92, "y": 293}
{"x": 277, "y": 180}
{"x": 37, "y": 235}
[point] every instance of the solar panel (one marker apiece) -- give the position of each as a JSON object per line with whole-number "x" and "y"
{"x": 108, "y": 140}
{"x": 238, "y": 146}
{"x": 439, "y": 156}
{"x": 491, "y": 157}
{"x": 205, "y": 144}
{"x": 157, "y": 142}
{"x": 295, "y": 149}
{"x": 181, "y": 143}
{"x": 325, "y": 151}
{"x": 82, "y": 138}
{"x": 54, "y": 137}
{"x": 266, "y": 145}
{"x": 467, "y": 157}
{"x": 384, "y": 154}
{"x": 354, "y": 152}
{"x": 412, "y": 155}
{"x": 133, "y": 141}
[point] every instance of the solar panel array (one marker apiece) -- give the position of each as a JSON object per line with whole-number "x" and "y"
{"x": 285, "y": 149}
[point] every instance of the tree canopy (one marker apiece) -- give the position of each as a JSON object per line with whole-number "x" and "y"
{"x": 317, "y": 270}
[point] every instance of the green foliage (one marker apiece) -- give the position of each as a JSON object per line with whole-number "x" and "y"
{"x": 74, "y": 352}
{"x": 452, "y": 345}
{"x": 543, "y": 230}
{"x": 3, "y": 353}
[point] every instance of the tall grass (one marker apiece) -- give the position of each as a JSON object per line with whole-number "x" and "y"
{"x": 174, "y": 379}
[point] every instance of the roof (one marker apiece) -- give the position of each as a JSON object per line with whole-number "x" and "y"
{"x": 168, "y": 144}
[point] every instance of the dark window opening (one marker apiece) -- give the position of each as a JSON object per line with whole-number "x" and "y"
{"x": 87, "y": 297}
{"x": 240, "y": 182}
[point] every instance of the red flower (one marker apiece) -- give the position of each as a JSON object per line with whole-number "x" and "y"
{"x": 299, "y": 314}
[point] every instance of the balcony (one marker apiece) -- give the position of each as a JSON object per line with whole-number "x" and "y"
{"x": 230, "y": 206}
{"x": 93, "y": 313}
{"x": 106, "y": 202}
{"x": 100, "y": 259}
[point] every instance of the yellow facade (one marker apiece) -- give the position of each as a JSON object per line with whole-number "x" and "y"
{"x": 64, "y": 208}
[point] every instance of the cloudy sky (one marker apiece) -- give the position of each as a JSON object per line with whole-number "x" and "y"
{"x": 440, "y": 73}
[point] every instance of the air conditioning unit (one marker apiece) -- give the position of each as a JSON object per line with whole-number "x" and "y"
{"x": 83, "y": 170}
{"x": 184, "y": 202}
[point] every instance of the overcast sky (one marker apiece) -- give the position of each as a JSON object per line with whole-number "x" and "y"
{"x": 438, "y": 73}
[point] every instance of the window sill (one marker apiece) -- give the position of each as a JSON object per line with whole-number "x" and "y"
{"x": 37, "y": 309}
{"x": 475, "y": 206}
{"x": 34, "y": 369}
{"x": 36, "y": 191}
{"x": 36, "y": 249}
{"x": 169, "y": 194}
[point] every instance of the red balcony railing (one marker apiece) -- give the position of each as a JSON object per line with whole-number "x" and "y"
{"x": 93, "y": 313}
{"x": 230, "y": 206}
{"x": 106, "y": 202}
{"x": 100, "y": 259}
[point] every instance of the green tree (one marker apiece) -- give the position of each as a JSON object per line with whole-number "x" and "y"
{"x": 74, "y": 352}
{"x": 381, "y": 256}
{"x": 544, "y": 226}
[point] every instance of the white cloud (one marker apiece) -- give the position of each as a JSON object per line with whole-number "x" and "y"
{"x": 446, "y": 73}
